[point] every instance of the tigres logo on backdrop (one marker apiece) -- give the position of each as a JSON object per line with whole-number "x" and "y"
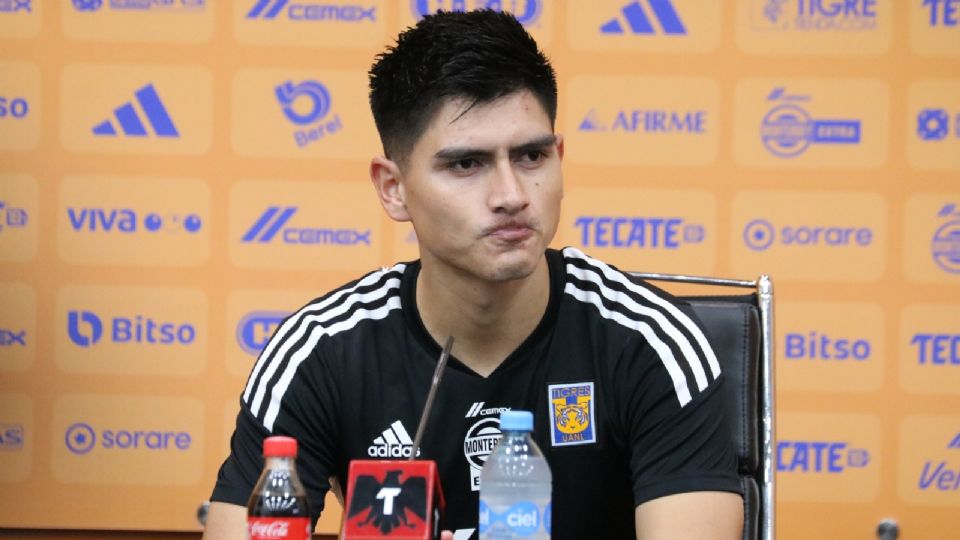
{"x": 572, "y": 414}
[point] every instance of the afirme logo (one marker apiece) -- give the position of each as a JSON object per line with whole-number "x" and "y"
{"x": 639, "y": 23}
{"x": 12, "y": 217}
{"x": 315, "y": 95}
{"x": 81, "y": 438}
{"x": 15, "y": 108}
{"x": 639, "y": 232}
{"x": 130, "y": 118}
{"x": 272, "y": 224}
{"x": 11, "y": 437}
{"x": 816, "y": 15}
{"x": 943, "y": 13}
{"x": 761, "y": 234}
{"x": 937, "y": 124}
{"x": 788, "y": 130}
{"x": 652, "y": 121}
{"x": 526, "y": 11}
{"x": 312, "y": 11}
{"x": 141, "y": 5}
{"x": 13, "y": 6}
{"x": 127, "y": 220}
{"x": 819, "y": 457}
{"x": 814, "y": 345}
{"x": 255, "y": 329}
{"x": 945, "y": 244}
{"x": 86, "y": 329}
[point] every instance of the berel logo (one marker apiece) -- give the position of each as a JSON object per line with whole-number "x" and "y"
{"x": 639, "y": 23}
{"x": 314, "y": 114}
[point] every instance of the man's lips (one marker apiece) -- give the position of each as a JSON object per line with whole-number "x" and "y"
{"x": 511, "y": 232}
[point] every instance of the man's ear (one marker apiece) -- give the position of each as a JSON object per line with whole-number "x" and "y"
{"x": 386, "y": 177}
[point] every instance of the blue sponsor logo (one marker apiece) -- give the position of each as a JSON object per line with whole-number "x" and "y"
{"x": 14, "y": 107}
{"x": 12, "y": 338}
{"x": 817, "y": 15}
{"x": 527, "y": 12}
{"x": 11, "y": 437}
{"x": 272, "y": 224}
{"x": 943, "y": 12}
{"x": 788, "y": 130}
{"x": 12, "y": 217}
{"x": 941, "y": 476}
{"x": 307, "y": 104}
{"x": 520, "y": 519}
{"x": 130, "y": 119}
{"x": 937, "y": 349}
{"x": 945, "y": 245}
{"x": 638, "y": 232}
{"x": 86, "y": 329}
{"x": 255, "y": 328}
{"x": 638, "y": 22}
{"x": 312, "y": 11}
{"x": 819, "y": 457}
{"x": 81, "y": 438}
{"x": 821, "y": 346}
{"x": 141, "y": 5}
{"x": 761, "y": 234}
{"x": 126, "y": 220}
{"x": 935, "y": 125}
{"x": 13, "y": 6}
{"x": 651, "y": 121}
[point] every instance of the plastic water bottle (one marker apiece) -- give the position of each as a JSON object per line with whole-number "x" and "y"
{"x": 515, "y": 484}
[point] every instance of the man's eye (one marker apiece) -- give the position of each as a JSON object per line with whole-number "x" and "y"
{"x": 533, "y": 156}
{"x": 464, "y": 164}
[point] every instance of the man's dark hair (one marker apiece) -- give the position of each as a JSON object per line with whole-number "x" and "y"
{"x": 479, "y": 56}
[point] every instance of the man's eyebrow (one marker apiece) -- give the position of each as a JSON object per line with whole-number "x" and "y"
{"x": 455, "y": 153}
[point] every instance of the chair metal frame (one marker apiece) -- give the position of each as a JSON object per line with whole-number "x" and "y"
{"x": 763, "y": 288}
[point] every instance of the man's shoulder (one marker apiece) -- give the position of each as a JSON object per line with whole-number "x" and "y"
{"x": 592, "y": 280}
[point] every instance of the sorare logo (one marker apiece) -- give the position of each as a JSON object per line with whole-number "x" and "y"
{"x": 88, "y": 328}
{"x": 141, "y": 5}
{"x": 761, "y": 234}
{"x": 307, "y": 105}
{"x": 635, "y": 19}
{"x": 344, "y": 12}
{"x": 788, "y": 129}
{"x": 255, "y": 329}
{"x": 15, "y": 6}
{"x": 938, "y": 124}
{"x": 130, "y": 118}
{"x": 819, "y": 456}
{"x": 272, "y": 226}
{"x": 816, "y": 15}
{"x": 638, "y": 232}
{"x": 527, "y": 12}
{"x": 12, "y": 217}
{"x": 81, "y": 438}
{"x": 945, "y": 244}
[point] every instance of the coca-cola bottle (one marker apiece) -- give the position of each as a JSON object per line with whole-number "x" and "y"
{"x": 278, "y": 504}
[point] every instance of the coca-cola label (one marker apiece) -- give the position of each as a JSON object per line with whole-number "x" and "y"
{"x": 276, "y": 528}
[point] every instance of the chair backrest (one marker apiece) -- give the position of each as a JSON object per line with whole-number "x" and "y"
{"x": 740, "y": 328}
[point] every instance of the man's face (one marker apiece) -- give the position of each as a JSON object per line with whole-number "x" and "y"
{"x": 483, "y": 188}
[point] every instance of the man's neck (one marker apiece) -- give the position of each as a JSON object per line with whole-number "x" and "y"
{"x": 487, "y": 320}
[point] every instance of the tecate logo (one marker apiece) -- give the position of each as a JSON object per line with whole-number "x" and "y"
{"x": 638, "y": 232}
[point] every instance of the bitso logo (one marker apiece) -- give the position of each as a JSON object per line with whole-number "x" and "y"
{"x": 937, "y": 124}
{"x": 814, "y": 345}
{"x": 15, "y": 108}
{"x": 130, "y": 120}
{"x": 310, "y": 109}
{"x": 639, "y": 23}
{"x": 788, "y": 130}
{"x": 815, "y": 15}
{"x": 86, "y": 328}
{"x": 312, "y": 11}
{"x": 819, "y": 457}
{"x": 945, "y": 245}
{"x": 526, "y": 11}
{"x": 81, "y": 438}
{"x": 13, "y": 6}
{"x": 761, "y": 234}
{"x": 271, "y": 224}
{"x": 11, "y": 437}
{"x": 12, "y": 217}
{"x": 639, "y": 232}
{"x": 255, "y": 328}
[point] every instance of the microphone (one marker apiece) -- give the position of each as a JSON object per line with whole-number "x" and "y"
{"x": 397, "y": 499}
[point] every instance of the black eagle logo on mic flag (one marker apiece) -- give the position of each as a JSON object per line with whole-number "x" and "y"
{"x": 389, "y": 501}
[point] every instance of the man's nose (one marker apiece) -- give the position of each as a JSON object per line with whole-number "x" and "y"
{"x": 507, "y": 192}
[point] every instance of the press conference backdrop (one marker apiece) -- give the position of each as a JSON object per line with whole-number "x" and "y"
{"x": 178, "y": 175}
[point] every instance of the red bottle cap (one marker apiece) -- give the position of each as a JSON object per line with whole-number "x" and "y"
{"x": 280, "y": 447}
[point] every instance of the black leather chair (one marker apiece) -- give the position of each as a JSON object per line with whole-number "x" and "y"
{"x": 740, "y": 328}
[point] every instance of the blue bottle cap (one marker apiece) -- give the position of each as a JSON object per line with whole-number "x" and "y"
{"x": 516, "y": 421}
